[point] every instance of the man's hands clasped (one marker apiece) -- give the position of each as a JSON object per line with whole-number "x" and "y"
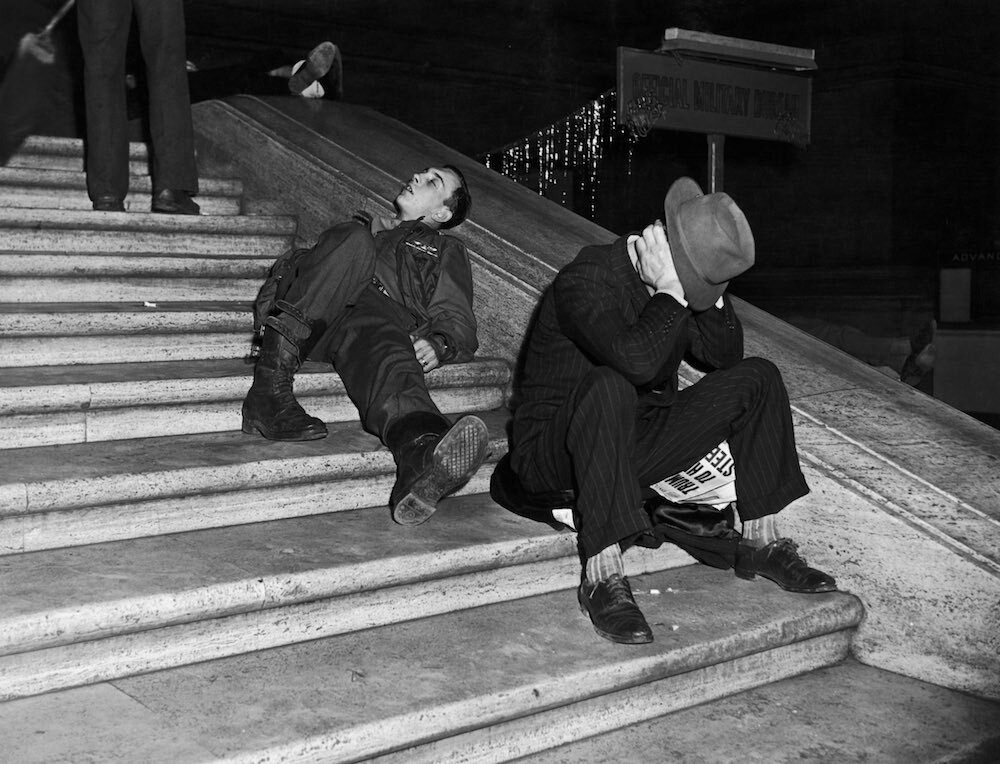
{"x": 655, "y": 263}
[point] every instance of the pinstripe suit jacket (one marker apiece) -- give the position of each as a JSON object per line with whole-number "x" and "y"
{"x": 599, "y": 313}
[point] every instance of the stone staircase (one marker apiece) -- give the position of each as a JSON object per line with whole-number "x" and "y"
{"x": 174, "y": 590}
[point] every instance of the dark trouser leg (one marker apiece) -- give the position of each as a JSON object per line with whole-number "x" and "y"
{"x": 588, "y": 445}
{"x": 609, "y": 446}
{"x": 747, "y": 405}
{"x": 373, "y": 353}
{"x": 316, "y": 295}
{"x": 161, "y": 36}
{"x": 330, "y": 279}
{"x": 104, "y": 28}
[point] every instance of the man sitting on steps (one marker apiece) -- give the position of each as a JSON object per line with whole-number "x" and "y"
{"x": 385, "y": 302}
{"x": 601, "y": 419}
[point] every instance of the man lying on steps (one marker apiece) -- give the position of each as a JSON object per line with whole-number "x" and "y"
{"x": 384, "y": 302}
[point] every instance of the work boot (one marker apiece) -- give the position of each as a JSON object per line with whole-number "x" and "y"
{"x": 432, "y": 461}
{"x": 270, "y": 406}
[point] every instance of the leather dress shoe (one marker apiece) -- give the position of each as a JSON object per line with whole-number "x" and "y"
{"x": 109, "y": 204}
{"x": 175, "y": 202}
{"x": 781, "y": 562}
{"x": 316, "y": 65}
{"x": 613, "y": 611}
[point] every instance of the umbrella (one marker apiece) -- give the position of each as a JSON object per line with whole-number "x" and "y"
{"x": 24, "y": 84}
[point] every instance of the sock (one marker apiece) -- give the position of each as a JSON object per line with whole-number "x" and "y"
{"x": 605, "y": 564}
{"x": 760, "y": 531}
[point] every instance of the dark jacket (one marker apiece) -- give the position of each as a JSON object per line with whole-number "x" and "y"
{"x": 599, "y": 313}
{"x": 428, "y": 272}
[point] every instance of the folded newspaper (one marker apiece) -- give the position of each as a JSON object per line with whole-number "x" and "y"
{"x": 711, "y": 480}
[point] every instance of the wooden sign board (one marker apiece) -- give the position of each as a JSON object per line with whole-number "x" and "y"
{"x": 674, "y": 91}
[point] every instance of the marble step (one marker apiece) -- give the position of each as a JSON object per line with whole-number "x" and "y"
{"x": 55, "y": 265}
{"x": 83, "y": 404}
{"x": 88, "y": 614}
{"x": 60, "y": 334}
{"x": 30, "y": 289}
{"x": 89, "y": 232}
{"x": 486, "y": 684}
{"x": 87, "y": 493}
{"x": 846, "y": 712}
{"x": 66, "y": 154}
{"x": 67, "y": 190}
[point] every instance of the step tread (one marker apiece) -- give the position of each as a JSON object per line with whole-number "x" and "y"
{"x": 363, "y": 693}
{"x": 58, "y": 179}
{"x": 123, "y": 307}
{"x": 45, "y": 468}
{"x": 63, "y": 595}
{"x": 53, "y": 144}
{"x": 124, "y": 374}
{"x": 53, "y": 220}
{"x": 847, "y": 712}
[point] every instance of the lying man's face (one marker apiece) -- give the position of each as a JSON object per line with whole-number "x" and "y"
{"x": 425, "y": 194}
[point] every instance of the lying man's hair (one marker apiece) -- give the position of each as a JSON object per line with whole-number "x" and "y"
{"x": 459, "y": 202}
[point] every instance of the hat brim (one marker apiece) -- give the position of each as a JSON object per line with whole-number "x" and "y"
{"x": 700, "y": 294}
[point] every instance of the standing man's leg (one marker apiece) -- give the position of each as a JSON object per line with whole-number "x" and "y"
{"x": 373, "y": 353}
{"x": 104, "y": 28}
{"x": 161, "y": 37}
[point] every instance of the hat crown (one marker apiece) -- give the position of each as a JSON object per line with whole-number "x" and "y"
{"x": 710, "y": 240}
{"x": 718, "y": 237}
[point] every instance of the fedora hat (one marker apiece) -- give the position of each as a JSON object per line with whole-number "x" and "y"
{"x": 710, "y": 240}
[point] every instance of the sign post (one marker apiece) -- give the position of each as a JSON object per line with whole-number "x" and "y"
{"x": 718, "y": 86}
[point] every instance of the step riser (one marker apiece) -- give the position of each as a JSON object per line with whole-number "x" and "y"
{"x": 28, "y": 197}
{"x": 117, "y": 522}
{"x": 538, "y": 727}
{"x": 96, "y": 266}
{"x": 56, "y": 181}
{"x": 62, "y": 427}
{"x": 61, "y": 351}
{"x": 86, "y": 242}
{"x": 35, "y": 289}
{"x": 31, "y": 673}
{"x": 22, "y": 328}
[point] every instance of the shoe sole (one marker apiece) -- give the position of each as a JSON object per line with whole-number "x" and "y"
{"x": 455, "y": 459}
{"x": 749, "y": 576}
{"x": 317, "y": 64}
{"x": 250, "y": 427}
{"x": 634, "y": 640}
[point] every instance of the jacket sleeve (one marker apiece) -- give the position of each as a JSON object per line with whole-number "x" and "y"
{"x": 451, "y": 325}
{"x": 589, "y": 300}
{"x": 717, "y": 336}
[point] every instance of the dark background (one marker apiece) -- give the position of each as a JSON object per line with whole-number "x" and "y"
{"x": 901, "y": 171}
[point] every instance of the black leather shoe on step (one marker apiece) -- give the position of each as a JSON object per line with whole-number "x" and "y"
{"x": 613, "y": 611}
{"x": 781, "y": 562}
{"x": 434, "y": 466}
{"x": 172, "y": 201}
{"x": 109, "y": 204}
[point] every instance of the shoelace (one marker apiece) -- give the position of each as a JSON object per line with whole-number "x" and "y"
{"x": 619, "y": 591}
{"x": 793, "y": 547}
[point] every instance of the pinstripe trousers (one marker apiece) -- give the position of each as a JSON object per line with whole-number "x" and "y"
{"x": 609, "y": 445}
